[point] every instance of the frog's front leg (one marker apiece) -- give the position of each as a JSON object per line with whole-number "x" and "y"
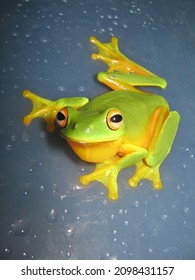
{"x": 107, "y": 172}
{"x": 48, "y": 109}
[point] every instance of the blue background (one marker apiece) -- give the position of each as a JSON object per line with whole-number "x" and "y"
{"x": 44, "y": 211}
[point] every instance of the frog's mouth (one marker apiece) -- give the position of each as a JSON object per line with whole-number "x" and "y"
{"x": 95, "y": 152}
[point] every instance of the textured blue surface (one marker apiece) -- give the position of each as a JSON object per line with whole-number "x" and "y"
{"x": 44, "y": 212}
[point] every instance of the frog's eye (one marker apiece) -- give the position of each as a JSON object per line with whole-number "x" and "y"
{"x": 114, "y": 119}
{"x": 62, "y": 117}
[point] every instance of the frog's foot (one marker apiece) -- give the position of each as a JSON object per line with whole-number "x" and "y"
{"x": 41, "y": 108}
{"x": 144, "y": 171}
{"x": 116, "y": 61}
{"x": 48, "y": 109}
{"x": 106, "y": 174}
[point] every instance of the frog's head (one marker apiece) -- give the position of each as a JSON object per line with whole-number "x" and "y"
{"x": 94, "y": 136}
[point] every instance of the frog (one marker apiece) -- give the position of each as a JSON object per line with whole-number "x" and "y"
{"x": 126, "y": 126}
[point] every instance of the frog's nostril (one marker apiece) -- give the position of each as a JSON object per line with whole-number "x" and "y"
{"x": 74, "y": 126}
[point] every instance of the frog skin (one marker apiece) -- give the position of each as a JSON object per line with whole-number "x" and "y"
{"x": 124, "y": 127}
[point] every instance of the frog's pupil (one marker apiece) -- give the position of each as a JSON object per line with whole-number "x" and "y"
{"x": 116, "y": 118}
{"x": 60, "y": 116}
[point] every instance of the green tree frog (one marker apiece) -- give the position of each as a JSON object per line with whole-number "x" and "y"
{"x": 124, "y": 127}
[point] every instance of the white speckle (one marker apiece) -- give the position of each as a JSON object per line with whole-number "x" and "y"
{"x": 9, "y": 147}
{"x": 82, "y": 89}
{"x": 61, "y": 88}
{"x": 144, "y": 23}
{"x": 76, "y": 187}
{"x": 8, "y": 251}
{"x": 105, "y": 202}
{"x": 52, "y": 216}
{"x": 42, "y": 134}
{"x": 42, "y": 188}
{"x": 13, "y": 138}
{"x": 79, "y": 45}
{"x": 62, "y": 197}
{"x": 120, "y": 211}
{"x": 164, "y": 217}
{"x": 27, "y": 35}
{"x": 14, "y": 33}
{"x": 136, "y": 203}
{"x": 126, "y": 223}
{"x": 54, "y": 188}
{"x": 109, "y": 16}
{"x": 114, "y": 232}
{"x": 62, "y": 253}
{"x": 150, "y": 250}
{"x": 25, "y": 255}
{"x": 186, "y": 209}
{"x": 44, "y": 39}
{"x": 69, "y": 231}
{"x": 189, "y": 152}
{"x": 102, "y": 30}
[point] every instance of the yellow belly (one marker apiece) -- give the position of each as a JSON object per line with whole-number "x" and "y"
{"x": 95, "y": 152}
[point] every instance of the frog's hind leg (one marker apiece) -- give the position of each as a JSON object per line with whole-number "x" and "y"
{"x": 119, "y": 65}
{"x": 158, "y": 150}
{"x": 121, "y": 81}
{"x": 116, "y": 61}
